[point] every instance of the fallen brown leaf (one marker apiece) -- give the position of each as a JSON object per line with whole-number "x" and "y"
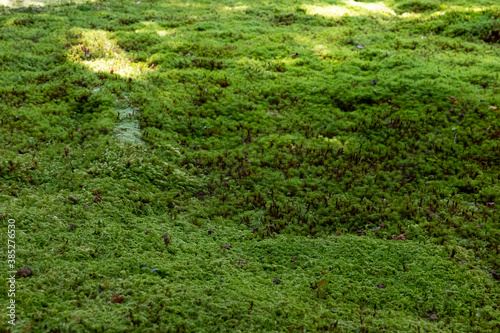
{"x": 24, "y": 272}
{"x": 401, "y": 237}
{"x": 117, "y": 299}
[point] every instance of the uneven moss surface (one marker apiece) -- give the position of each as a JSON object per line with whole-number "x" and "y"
{"x": 304, "y": 135}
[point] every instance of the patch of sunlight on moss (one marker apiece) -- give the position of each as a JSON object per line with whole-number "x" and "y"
{"x": 350, "y": 8}
{"x": 153, "y": 27}
{"x": 447, "y": 9}
{"x": 321, "y": 50}
{"x": 468, "y": 8}
{"x": 128, "y": 129}
{"x": 334, "y": 141}
{"x": 377, "y": 7}
{"x": 121, "y": 67}
{"x": 328, "y": 11}
{"x": 413, "y": 15}
{"x": 235, "y": 8}
{"x": 42, "y": 3}
{"x": 99, "y": 51}
{"x": 163, "y": 33}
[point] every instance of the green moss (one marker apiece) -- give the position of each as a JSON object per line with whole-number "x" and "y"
{"x": 277, "y": 125}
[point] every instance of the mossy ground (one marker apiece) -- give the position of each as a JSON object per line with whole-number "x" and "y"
{"x": 310, "y": 130}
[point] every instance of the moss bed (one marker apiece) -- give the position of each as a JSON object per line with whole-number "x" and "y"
{"x": 347, "y": 153}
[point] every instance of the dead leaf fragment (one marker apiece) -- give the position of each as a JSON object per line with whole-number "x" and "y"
{"x": 433, "y": 317}
{"x": 210, "y": 231}
{"x": 241, "y": 262}
{"x": 72, "y": 199}
{"x": 117, "y": 299}
{"x": 293, "y": 260}
{"x": 401, "y": 237}
{"x": 380, "y": 286}
{"x": 24, "y": 272}
{"x": 277, "y": 281}
{"x": 493, "y": 108}
{"x": 225, "y": 247}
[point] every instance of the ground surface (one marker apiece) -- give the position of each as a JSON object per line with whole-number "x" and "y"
{"x": 304, "y": 135}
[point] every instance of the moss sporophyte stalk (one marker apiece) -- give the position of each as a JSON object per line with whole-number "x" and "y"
{"x": 206, "y": 166}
